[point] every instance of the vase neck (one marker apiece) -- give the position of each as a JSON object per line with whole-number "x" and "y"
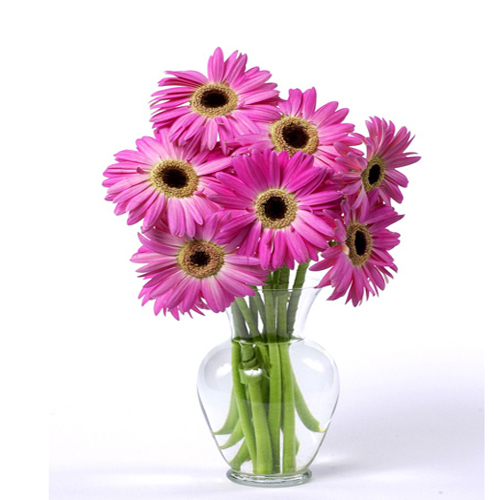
{"x": 271, "y": 315}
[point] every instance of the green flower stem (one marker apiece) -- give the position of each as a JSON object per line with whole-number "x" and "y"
{"x": 298, "y": 283}
{"x": 297, "y": 442}
{"x": 264, "y": 461}
{"x": 252, "y": 374}
{"x": 253, "y": 309}
{"x": 240, "y": 328}
{"x": 247, "y": 314}
{"x": 283, "y": 278}
{"x": 242, "y": 402}
{"x": 236, "y": 435}
{"x": 274, "y": 413}
{"x": 303, "y": 411}
{"x": 276, "y": 316}
{"x": 266, "y": 390}
{"x": 300, "y": 277}
{"x": 282, "y": 298}
{"x": 262, "y": 353}
{"x": 289, "y": 464}
{"x": 269, "y": 311}
{"x": 232, "y": 417}
{"x": 242, "y": 456}
{"x": 276, "y": 277}
{"x": 261, "y": 308}
{"x": 270, "y": 304}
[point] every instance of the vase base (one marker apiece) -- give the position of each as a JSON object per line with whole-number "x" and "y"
{"x": 271, "y": 481}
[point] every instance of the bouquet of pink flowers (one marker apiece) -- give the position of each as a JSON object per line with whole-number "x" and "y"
{"x": 239, "y": 186}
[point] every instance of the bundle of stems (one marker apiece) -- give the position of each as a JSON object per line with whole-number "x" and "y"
{"x": 265, "y": 397}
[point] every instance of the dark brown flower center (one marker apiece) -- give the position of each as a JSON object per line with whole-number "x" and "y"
{"x": 201, "y": 259}
{"x": 174, "y": 178}
{"x": 214, "y": 99}
{"x": 292, "y": 134}
{"x": 374, "y": 173}
{"x": 275, "y": 208}
{"x": 295, "y": 135}
{"x": 359, "y": 241}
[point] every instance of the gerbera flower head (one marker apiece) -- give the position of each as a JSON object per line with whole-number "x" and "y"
{"x": 192, "y": 273}
{"x": 163, "y": 180}
{"x": 360, "y": 263}
{"x": 302, "y": 127}
{"x": 230, "y": 101}
{"x": 276, "y": 204}
{"x": 377, "y": 173}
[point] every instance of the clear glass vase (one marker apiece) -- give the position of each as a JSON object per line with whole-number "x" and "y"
{"x": 268, "y": 394}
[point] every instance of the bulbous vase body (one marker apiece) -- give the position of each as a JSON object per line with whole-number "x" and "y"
{"x": 267, "y": 393}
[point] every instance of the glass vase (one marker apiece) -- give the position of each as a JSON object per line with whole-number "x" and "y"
{"x": 267, "y": 393}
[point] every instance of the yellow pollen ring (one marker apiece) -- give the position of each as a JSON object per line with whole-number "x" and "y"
{"x": 201, "y": 259}
{"x": 174, "y": 178}
{"x": 275, "y": 208}
{"x": 293, "y": 134}
{"x": 213, "y": 99}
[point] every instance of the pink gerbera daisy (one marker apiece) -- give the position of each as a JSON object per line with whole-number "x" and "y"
{"x": 359, "y": 263}
{"x": 164, "y": 180}
{"x": 194, "y": 273}
{"x": 386, "y": 152}
{"x": 227, "y": 103}
{"x": 277, "y": 205}
{"x": 302, "y": 127}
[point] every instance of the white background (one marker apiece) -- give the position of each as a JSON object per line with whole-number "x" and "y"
{"x": 116, "y": 384}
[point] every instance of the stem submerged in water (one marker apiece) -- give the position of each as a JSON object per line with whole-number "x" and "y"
{"x": 232, "y": 416}
{"x": 266, "y": 395}
{"x": 275, "y": 401}
{"x": 241, "y": 402}
{"x": 288, "y": 402}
